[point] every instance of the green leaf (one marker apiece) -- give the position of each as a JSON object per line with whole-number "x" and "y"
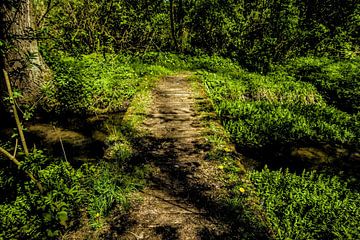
{"x": 63, "y": 217}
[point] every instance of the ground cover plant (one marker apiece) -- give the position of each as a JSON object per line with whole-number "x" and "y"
{"x": 277, "y": 109}
{"x": 95, "y": 84}
{"x": 282, "y": 110}
{"x": 337, "y": 81}
{"x": 308, "y": 205}
{"x": 93, "y": 189}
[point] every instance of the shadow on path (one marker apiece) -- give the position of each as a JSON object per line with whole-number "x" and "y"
{"x": 185, "y": 198}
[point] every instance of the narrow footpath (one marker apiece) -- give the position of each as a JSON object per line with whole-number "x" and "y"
{"x": 183, "y": 184}
{"x": 187, "y": 196}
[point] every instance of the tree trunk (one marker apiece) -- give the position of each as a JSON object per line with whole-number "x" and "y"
{"x": 180, "y": 20}
{"x": 180, "y": 13}
{"x": 21, "y": 58}
{"x": 172, "y": 24}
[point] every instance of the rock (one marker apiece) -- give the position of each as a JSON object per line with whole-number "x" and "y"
{"x": 52, "y": 135}
{"x": 310, "y": 154}
{"x": 99, "y": 136}
{"x": 355, "y": 157}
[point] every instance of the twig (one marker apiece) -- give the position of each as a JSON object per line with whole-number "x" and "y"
{"x": 21, "y": 134}
{"x": 62, "y": 146}
{"x": 17, "y": 120}
{"x": 16, "y": 146}
{"x": 137, "y": 236}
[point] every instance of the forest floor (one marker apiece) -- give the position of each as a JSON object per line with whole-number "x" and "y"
{"x": 171, "y": 206}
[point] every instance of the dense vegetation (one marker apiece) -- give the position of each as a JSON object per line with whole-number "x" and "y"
{"x": 282, "y": 76}
{"x": 269, "y": 115}
{"x": 94, "y": 84}
{"x": 308, "y": 205}
{"x": 82, "y": 86}
{"x": 255, "y": 33}
{"x": 280, "y": 108}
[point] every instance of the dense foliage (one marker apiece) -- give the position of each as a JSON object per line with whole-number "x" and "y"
{"x": 278, "y": 109}
{"x": 255, "y": 33}
{"x": 287, "y": 109}
{"x": 337, "y": 81}
{"x": 27, "y": 213}
{"x": 91, "y": 84}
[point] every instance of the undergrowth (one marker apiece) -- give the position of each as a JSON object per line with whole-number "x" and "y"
{"x": 309, "y": 205}
{"x": 260, "y": 111}
{"x": 283, "y": 110}
{"x": 74, "y": 196}
{"x": 95, "y": 84}
{"x": 337, "y": 81}
{"x": 97, "y": 188}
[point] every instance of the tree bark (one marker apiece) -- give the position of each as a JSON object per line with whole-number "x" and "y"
{"x": 21, "y": 57}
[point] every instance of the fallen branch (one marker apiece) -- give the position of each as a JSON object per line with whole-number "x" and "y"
{"x": 14, "y": 160}
{"x": 21, "y": 134}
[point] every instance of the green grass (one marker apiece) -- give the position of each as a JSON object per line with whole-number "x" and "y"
{"x": 277, "y": 111}
{"x": 309, "y": 205}
{"x": 262, "y": 111}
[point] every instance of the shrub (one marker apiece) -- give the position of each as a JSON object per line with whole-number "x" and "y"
{"x": 31, "y": 215}
{"x": 92, "y": 84}
{"x": 25, "y": 213}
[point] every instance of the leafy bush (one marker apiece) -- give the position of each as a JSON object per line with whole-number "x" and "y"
{"x": 308, "y": 206}
{"x": 255, "y": 33}
{"x": 95, "y": 84}
{"x": 92, "y": 84}
{"x": 25, "y": 213}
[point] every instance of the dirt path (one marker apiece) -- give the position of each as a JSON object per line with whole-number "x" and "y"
{"x": 188, "y": 196}
{"x": 183, "y": 185}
